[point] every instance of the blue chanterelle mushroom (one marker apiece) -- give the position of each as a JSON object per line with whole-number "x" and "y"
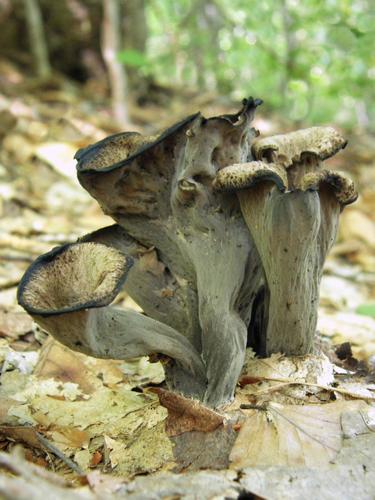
{"x": 291, "y": 206}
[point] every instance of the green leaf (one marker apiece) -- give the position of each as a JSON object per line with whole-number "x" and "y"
{"x": 343, "y": 37}
{"x": 367, "y": 309}
{"x": 366, "y": 22}
{"x": 133, "y": 58}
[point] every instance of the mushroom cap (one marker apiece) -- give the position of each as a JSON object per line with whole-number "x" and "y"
{"x": 286, "y": 161}
{"x": 286, "y": 149}
{"x": 246, "y": 175}
{"x": 121, "y": 149}
{"x": 73, "y": 277}
{"x": 247, "y": 111}
{"x": 130, "y": 174}
{"x": 343, "y": 187}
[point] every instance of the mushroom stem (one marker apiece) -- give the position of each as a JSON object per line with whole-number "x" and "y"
{"x": 286, "y": 228}
{"x": 66, "y": 291}
{"x": 218, "y": 243}
{"x": 220, "y": 268}
{"x": 116, "y": 333}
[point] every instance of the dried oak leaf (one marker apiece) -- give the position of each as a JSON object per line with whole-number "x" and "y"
{"x": 186, "y": 415}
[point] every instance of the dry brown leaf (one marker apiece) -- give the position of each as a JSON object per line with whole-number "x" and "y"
{"x": 70, "y": 437}
{"x": 60, "y": 156}
{"x": 309, "y": 368}
{"x": 350, "y": 327}
{"x": 186, "y": 415}
{"x": 352, "y": 389}
{"x": 355, "y": 225}
{"x": 141, "y": 371}
{"x": 5, "y": 405}
{"x": 340, "y": 293}
{"x": 14, "y": 324}
{"x": 27, "y": 435}
{"x": 150, "y": 451}
{"x": 58, "y": 362}
{"x": 18, "y": 146}
{"x": 96, "y": 458}
{"x": 357, "y": 422}
{"x": 286, "y": 380}
{"x": 204, "y": 450}
{"x": 104, "y": 484}
{"x": 291, "y": 435}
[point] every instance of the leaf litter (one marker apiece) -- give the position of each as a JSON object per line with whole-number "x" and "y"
{"x": 99, "y": 413}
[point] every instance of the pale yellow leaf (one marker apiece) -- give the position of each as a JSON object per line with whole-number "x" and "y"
{"x": 291, "y": 435}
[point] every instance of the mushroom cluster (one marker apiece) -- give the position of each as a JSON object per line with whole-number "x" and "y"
{"x": 291, "y": 207}
{"x": 219, "y": 237}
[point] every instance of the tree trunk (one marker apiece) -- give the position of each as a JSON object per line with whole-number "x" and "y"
{"x": 135, "y": 36}
{"x": 37, "y": 38}
{"x": 111, "y": 45}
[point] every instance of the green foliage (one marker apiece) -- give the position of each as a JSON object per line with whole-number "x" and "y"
{"x": 367, "y": 309}
{"x": 311, "y": 59}
{"x": 133, "y": 58}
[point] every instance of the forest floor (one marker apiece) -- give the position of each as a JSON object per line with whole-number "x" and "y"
{"x": 77, "y": 427}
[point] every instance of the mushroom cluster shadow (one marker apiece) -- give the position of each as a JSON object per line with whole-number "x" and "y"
{"x": 219, "y": 236}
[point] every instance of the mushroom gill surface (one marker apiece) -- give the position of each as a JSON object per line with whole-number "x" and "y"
{"x": 293, "y": 221}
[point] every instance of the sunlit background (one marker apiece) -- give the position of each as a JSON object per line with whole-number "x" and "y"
{"x": 311, "y": 60}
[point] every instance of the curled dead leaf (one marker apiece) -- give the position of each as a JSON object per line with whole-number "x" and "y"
{"x": 185, "y": 415}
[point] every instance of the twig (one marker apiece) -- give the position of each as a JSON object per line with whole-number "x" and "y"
{"x": 9, "y": 284}
{"x": 59, "y": 454}
{"x": 17, "y": 464}
{"x": 285, "y": 382}
{"x": 22, "y": 244}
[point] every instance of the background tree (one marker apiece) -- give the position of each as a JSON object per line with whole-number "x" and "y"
{"x": 313, "y": 59}
{"x": 135, "y": 33}
{"x": 111, "y": 43}
{"x": 37, "y": 38}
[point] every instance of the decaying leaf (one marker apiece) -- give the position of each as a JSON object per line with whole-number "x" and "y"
{"x": 58, "y": 362}
{"x": 148, "y": 451}
{"x": 204, "y": 450}
{"x": 291, "y": 435}
{"x": 339, "y": 293}
{"x": 141, "y": 372}
{"x": 75, "y": 422}
{"x": 357, "y": 422}
{"x": 358, "y": 226}
{"x": 185, "y": 415}
{"x": 287, "y": 380}
{"x": 357, "y": 329}
{"x": 23, "y": 434}
{"x": 58, "y": 155}
{"x": 70, "y": 437}
{"x": 23, "y": 361}
{"x": 14, "y": 324}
